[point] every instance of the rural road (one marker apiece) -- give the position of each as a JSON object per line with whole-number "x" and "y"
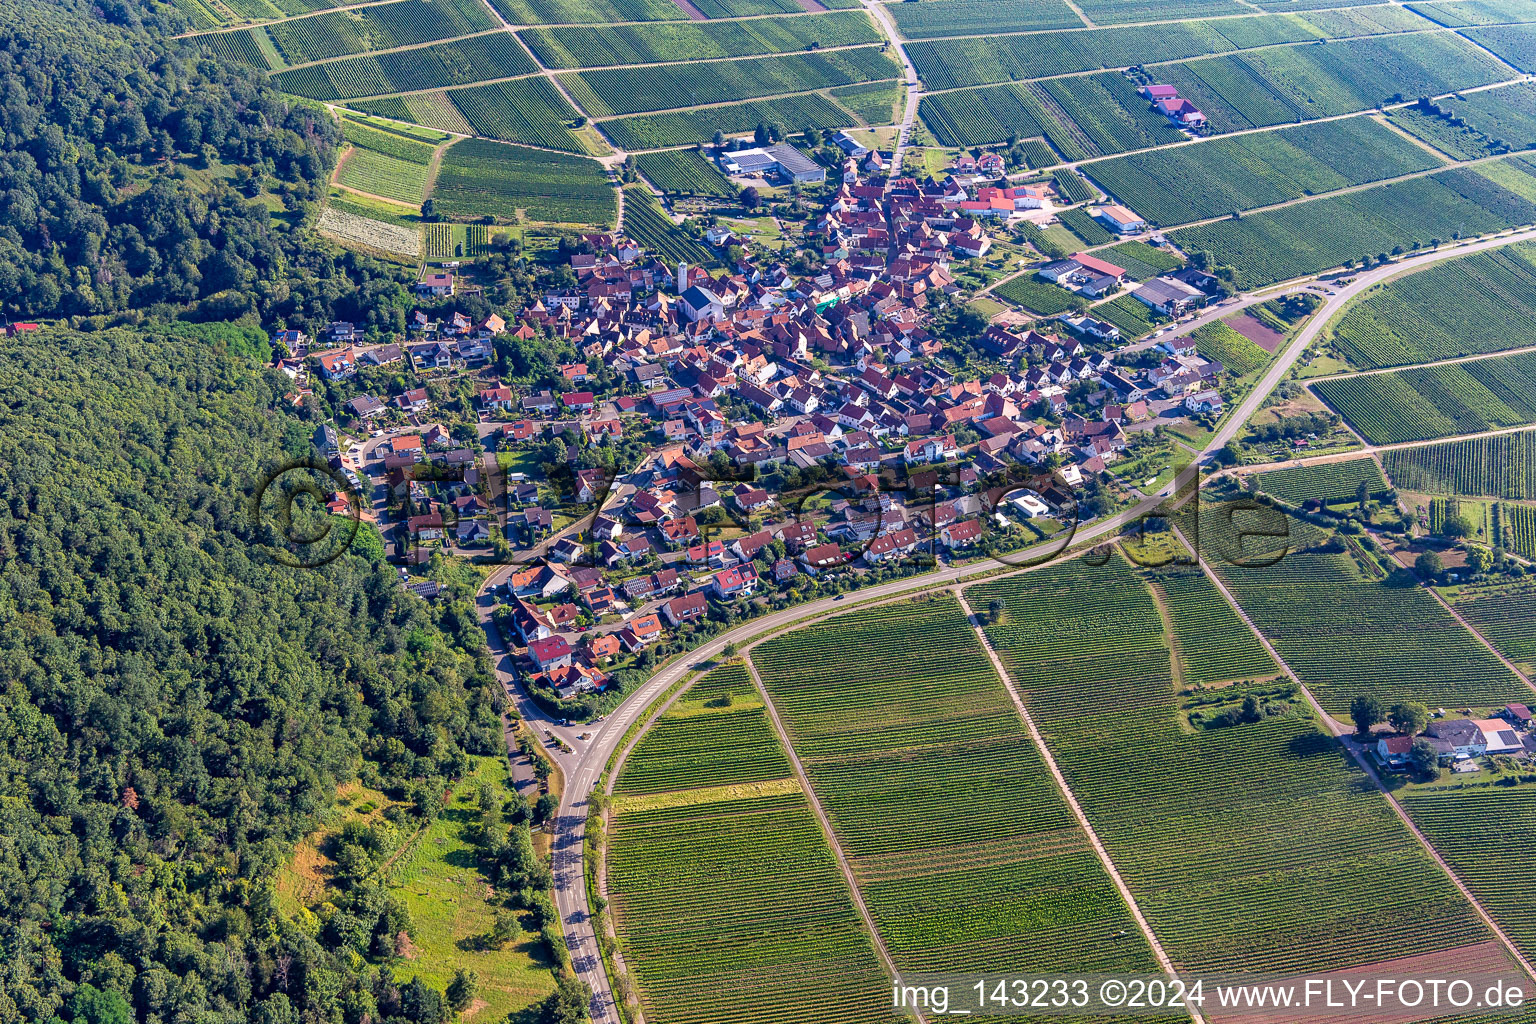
{"x": 587, "y": 760}
{"x": 882, "y": 16}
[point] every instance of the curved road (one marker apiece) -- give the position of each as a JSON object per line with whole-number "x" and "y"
{"x": 586, "y": 760}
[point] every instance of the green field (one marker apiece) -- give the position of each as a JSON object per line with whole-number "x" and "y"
{"x": 1082, "y": 224}
{"x": 451, "y": 906}
{"x": 1314, "y": 236}
{"x": 632, "y": 90}
{"x": 529, "y": 110}
{"x": 1328, "y": 483}
{"x": 652, "y": 229}
{"x": 728, "y": 903}
{"x": 1437, "y": 401}
{"x": 385, "y": 163}
{"x": 1468, "y": 306}
{"x": 1498, "y": 467}
{"x": 1318, "y": 874}
{"x": 498, "y": 55}
{"x": 1345, "y": 625}
{"x": 593, "y": 47}
{"x": 962, "y": 845}
{"x": 973, "y": 17}
{"x": 480, "y": 178}
{"x": 1192, "y": 183}
{"x": 1112, "y": 12}
{"x": 686, "y": 127}
{"x": 684, "y": 171}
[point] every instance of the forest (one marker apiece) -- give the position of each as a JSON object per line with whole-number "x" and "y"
{"x": 136, "y": 173}
{"x": 181, "y": 705}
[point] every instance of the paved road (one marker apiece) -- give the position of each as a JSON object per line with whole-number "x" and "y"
{"x": 914, "y": 85}
{"x": 585, "y": 763}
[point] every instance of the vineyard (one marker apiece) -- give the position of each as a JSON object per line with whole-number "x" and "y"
{"x": 243, "y": 47}
{"x": 1212, "y": 643}
{"x": 402, "y": 23}
{"x": 1516, "y": 526}
{"x": 1140, "y": 260}
{"x": 1037, "y": 296}
{"x": 1130, "y": 314}
{"x": 976, "y": 17}
{"x": 963, "y": 847}
{"x": 686, "y": 127}
{"x": 1506, "y": 616}
{"x": 433, "y": 109}
{"x": 1070, "y": 185}
{"x": 1313, "y": 236}
{"x": 1481, "y": 832}
{"x": 1465, "y": 13}
{"x": 527, "y": 110}
{"x": 1082, "y": 224}
{"x": 456, "y": 241}
{"x": 1237, "y": 355}
{"x": 1192, "y": 183}
{"x": 1500, "y": 467}
{"x": 600, "y": 47}
{"x": 489, "y": 179}
{"x": 1110, "y": 12}
{"x": 384, "y": 163}
{"x": 1346, "y": 627}
{"x": 1467, "y": 306}
{"x": 1082, "y": 117}
{"x": 684, "y": 171}
{"x": 873, "y": 102}
{"x": 1477, "y": 124}
{"x": 1515, "y": 43}
{"x": 1430, "y": 402}
{"x": 649, "y": 226}
{"x": 587, "y": 12}
{"x": 1256, "y": 88}
{"x": 987, "y": 59}
{"x": 728, "y": 904}
{"x": 630, "y": 90}
{"x": 1324, "y": 875}
{"x": 498, "y": 55}
{"x": 1329, "y": 483}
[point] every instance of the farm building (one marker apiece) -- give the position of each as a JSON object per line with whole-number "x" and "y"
{"x": 1169, "y": 297}
{"x": 782, "y": 159}
{"x": 1120, "y": 220}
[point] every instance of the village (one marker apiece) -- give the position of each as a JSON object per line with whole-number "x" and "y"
{"x": 722, "y": 442}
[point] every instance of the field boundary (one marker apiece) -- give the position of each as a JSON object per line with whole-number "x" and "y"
{"x": 826, "y": 826}
{"x": 1066, "y": 791}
